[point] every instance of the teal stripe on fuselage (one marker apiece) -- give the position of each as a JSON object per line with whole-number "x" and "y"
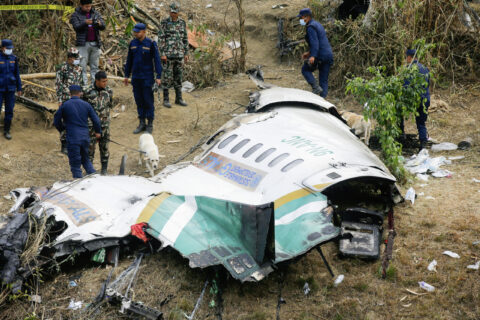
{"x": 163, "y": 213}
{"x": 297, "y": 203}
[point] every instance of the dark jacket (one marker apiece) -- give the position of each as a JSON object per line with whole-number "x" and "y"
{"x": 72, "y": 116}
{"x": 422, "y": 70}
{"x": 316, "y": 38}
{"x": 81, "y": 28}
{"x": 9, "y": 74}
{"x": 142, "y": 57}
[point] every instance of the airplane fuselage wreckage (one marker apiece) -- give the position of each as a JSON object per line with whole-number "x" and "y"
{"x": 270, "y": 185}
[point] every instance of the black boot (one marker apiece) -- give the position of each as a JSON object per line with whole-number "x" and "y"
{"x": 316, "y": 89}
{"x": 6, "y": 131}
{"x": 166, "y": 100}
{"x": 141, "y": 127}
{"x": 423, "y": 145}
{"x": 149, "y": 128}
{"x": 103, "y": 172}
{"x": 63, "y": 148}
{"x": 178, "y": 97}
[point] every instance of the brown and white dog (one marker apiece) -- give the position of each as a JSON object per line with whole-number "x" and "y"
{"x": 148, "y": 153}
{"x": 360, "y": 126}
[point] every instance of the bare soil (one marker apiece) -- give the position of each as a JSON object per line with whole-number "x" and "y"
{"x": 449, "y": 221}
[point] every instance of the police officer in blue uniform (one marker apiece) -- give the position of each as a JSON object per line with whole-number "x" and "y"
{"x": 142, "y": 57}
{"x": 422, "y": 109}
{"x": 73, "y": 116}
{"x": 9, "y": 83}
{"x": 320, "y": 55}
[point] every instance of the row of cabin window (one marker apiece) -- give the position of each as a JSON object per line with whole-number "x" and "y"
{"x": 262, "y": 156}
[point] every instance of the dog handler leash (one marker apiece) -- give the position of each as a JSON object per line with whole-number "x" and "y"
{"x": 126, "y": 147}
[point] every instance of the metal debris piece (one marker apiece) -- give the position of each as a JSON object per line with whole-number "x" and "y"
{"x": 197, "y": 304}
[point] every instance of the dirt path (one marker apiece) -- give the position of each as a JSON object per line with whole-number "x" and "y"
{"x": 449, "y": 221}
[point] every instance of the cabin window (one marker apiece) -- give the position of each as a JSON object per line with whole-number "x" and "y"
{"x": 224, "y": 143}
{"x": 249, "y": 152}
{"x": 278, "y": 159}
{"x": 265, "y": 154}
{"x": 240, "y": 145}
{"x": 292, "y": 165}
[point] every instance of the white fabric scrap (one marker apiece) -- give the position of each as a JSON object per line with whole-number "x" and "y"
{"x": 451, "y": 254}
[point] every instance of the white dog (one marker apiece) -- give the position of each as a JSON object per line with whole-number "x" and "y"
{"x": 149, "y": 152}
{"x": 359, "y": 125}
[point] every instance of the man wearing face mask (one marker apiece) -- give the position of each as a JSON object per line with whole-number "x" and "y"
{"x": 9, "y": 82}
{"x": 320, "y": 55}
{"x": 87, "y": 24}
{"x": 142, "y": 58}
{"x": 69, "y": 73}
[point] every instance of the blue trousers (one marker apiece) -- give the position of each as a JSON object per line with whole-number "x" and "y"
{"x": 143, "y": 94}
{"x": 323, "y": 71}
{"x": 420, "y": 120}
{"x": 9, "y": 97}
{"x": 78, "y": 156}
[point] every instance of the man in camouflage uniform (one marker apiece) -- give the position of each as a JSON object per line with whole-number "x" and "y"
{"x": 100, "y": 96}
{"x": 173, "y": 46}
{"x": 69, "y": 73}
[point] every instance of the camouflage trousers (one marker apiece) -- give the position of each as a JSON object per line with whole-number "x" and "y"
{"x": 172, "y": 73}
{"x": 102, "y": 144}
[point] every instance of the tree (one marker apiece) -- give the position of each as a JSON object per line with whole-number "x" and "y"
{"x": 243, "y": 42}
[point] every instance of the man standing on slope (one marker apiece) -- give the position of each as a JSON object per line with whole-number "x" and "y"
{"x": 320, "y": 55}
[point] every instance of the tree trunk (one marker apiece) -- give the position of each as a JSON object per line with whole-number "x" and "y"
{"x": 243, "y": 42}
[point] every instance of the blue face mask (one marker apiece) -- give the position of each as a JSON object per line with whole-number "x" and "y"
{"x": 302, "y": 22}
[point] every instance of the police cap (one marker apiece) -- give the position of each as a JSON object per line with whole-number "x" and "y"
{"x": 139, "y": 26}
{"x": 83, "y": 2}
{"x": 74, "y": 88}
{"x": 7, "y": 43}
{"x": 411, "y": 52}
{"x": 304, "y": 12}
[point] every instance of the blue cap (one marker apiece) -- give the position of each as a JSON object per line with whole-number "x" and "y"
{"x": 410, "y": 52}
{"x": 305, "y": 12}
{"x": 7, "y": 43}
{"x": 75, "y": 87}
{"x": 139, "y": 27}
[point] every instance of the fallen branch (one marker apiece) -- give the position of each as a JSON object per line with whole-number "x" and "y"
{"x": 52, "y": 75}
{"x": 38, "y": 85}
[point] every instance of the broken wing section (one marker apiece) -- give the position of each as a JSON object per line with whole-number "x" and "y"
{"x": 210, "y": 231}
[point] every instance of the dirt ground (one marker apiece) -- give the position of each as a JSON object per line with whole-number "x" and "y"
{"x": 445, "y": 217}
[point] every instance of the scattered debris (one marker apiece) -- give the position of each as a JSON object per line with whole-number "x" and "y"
{"x": 423, "y": 177}
{"x": 38, "y": 299}
{"x": 432, "y": 266}
{"x": 197, "y": 304}
{"x": 475, "y": 180}
{"x": 429, "y": 198}
{"x": 8, "y": 197}
{"x": 233, "y": 44}
{"x": 187, "y": 86}
{"x": 174, "y": 141}
{"x": 426, "y": 286}
{"x": 208, "y": 6}
{"x": 115, "y": 115}
{"x": 423, "y": 164}
{"x": 280, "y": 6}
{"x": 465, "y": 144}
{"x": 456, "y": 158}
{"x": 338, "y": 280}
{"x": 410, "y": 195}
{"x": 306, "y": 288}
{"x": 122, "y": 108}
{"x": 475, "y": 266}
{"x": 476, "y": 242}
{"x": 451, "y": 254}
{"x": 75, "y": 305}
{"x": 72, "y": 284}
{"x": 6, "y": 156}
{"x": 444, "y": 146}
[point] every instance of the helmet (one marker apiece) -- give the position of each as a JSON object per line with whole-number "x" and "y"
{"x": 73, "y": 52}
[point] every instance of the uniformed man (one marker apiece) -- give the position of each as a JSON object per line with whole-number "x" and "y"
{"x": 73, "y": 116}
{"x": 422, "y": 108}
{"x": 173, "y": 43}
{"x": 9, "y": 83}
{"x": 320, "y": 55}
{"x": 100, "y": 96}
{"x": 142, "y": 57}
{"x": 69, "y": 73}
